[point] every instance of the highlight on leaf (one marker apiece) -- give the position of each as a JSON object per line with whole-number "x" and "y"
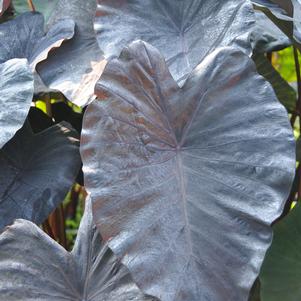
{"x": 16, "y": 93}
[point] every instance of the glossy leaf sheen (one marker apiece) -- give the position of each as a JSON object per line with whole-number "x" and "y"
{"x": 16, "y": 92}
{"x": 24, "y": 37}
{"x": 281, "y": 272}
{"x": 36, "y": 172}
{"x": 90, "y": 272}
{"x": 184, "y": 31}
{"x": 75, "y": 67}
{"x": 186, "y": 181}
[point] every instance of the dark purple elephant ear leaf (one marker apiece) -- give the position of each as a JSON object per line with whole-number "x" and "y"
{"x": 16, "y": 93}
{"x": 29, "y": 38}
{"x": 186, "y": 181}
{"x": 281, "y": 272}
{"x": 37, "y": 171}
{"x": 91, "y": 272}
{"x": 4, "y": 4}
{"x": 184, "y": 31}
{"x": 75, "y": 67}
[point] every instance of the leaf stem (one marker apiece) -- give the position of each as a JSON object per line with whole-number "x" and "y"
{"x": 31, "y": 5}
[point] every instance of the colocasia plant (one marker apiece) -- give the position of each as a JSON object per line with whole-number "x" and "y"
{"x": 169, "y": 122}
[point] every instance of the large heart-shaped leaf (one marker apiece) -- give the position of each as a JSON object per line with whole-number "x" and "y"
{"x": 75, "y": 67}
{"x": 34, "y": 267}
{"x": 16, "y": 92}
{"x": 266, "y": 36}
{"x": 281, "y": 271}
{"x": 24, "y": 37}
{"x": 185, "y": 31}
{"x": 185, "y": 182}
{"x": 42, "y": 6}
{"x": 37, "y": 171}
{"x": 4, "y": 4}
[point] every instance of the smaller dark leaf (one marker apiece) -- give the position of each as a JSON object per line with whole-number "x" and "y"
{"x": 184, "y": 31}
{"x": 16, "y": 92}
{"x": 37, "y": 170}
{"x": 281, "y": 272}
{"x": 35, "y": 267}
{"x": 284, "y": 92}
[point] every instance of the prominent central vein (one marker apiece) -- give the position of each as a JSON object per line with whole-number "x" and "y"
{"x": 181, "y": 178}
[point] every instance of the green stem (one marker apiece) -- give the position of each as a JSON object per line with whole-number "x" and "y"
{"x": 31, "y": 5}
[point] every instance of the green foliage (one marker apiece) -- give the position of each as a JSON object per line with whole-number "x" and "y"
{"x": 46, "y": 7}
{"x": 281, "y": 271}
{"x": 284, "y": 63}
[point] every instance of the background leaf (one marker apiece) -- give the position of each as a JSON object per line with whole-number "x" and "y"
{"x": 75, "y": 67}
{"x": 90, "y": 272}
{"x": 184, "y": 31}
{"x": 266, "y": 36}
{"x": 281, "y": 272}
{"x": 283, "y": 16}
